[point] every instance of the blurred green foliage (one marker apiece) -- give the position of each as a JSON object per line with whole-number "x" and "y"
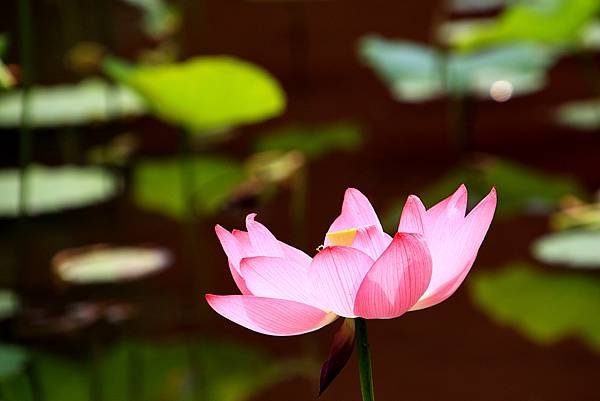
{"x": 313, "y": 142}
{"x": 159, "y": 17}
{"x": 6, "y": 79}
{"x": 544, "y": 307}
{"x": 417, "y": 73}
{"x": 157, "y": 185}
{"x": 147, "y": 371}
{"x": 520, "y": 188}
{"x": 204, "y": 94}
{"x": 3, "y": 44}
{"x": 572, "y": 248}
{"x": 52, "y": 189}
{"x": 550, "y": 22}
{"x": 13, "y": 360}
{"x": 582, "y": 114}
{"x": 83, "y": 103}
{"x": 9, "y": 303}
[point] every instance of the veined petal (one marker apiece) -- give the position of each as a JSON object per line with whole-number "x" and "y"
{"x": 244, "y": 240}
{"x": 397, "y": 279}
{"x": 231, "y": 246}
{"x": 413, "y": 214}
{"x": 239, "y": 280}
{"x": 357, "y": 211}
{"x": 295, "y": 255}
{"x": 453, "y": 207}
{"x": 276, "y": 317}
{"x": 372, "y": 241}
{"x": 263, "y": 242}
{"x": 277, "y": 278}
{"x": 289, "y": 251}
{"x": 454, "y": 251}
{"x": 235, "y": 252}
{"x": 336, "y": 273}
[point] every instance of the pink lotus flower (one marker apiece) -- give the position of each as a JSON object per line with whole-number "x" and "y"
{"x": 361, "y": 271}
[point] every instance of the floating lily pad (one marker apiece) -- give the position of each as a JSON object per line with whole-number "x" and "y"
{"x": 159, "y": 17}
{"x": 157, "y": 185}
{"x": 573, "y": 248}
{"x": 314, "y": 142}
{"x": 522, "y": 190}
{"x": 51, "y": 189}
{"x": 546, "y": 308}
{"x": 9, "y": 303}
{"x": 550, "y": 22}
{"x": 70, "y": 105}
{"x": 227, "y": 372}
{"x": 417, "y": 73}
{"x": 204, "y": 94}
{"x": 13, "y": 361}
{"x": 105, "y": 264}
{"x": 583, "y": 115}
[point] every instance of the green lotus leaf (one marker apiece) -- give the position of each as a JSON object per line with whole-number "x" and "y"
{"x": 13, "y": 360}
{"x": 573, "y": 248}
{"x": 51, "y": 189}
{"x": 157, "y": 185}
{"x": 70, "y": 105}
{"x": 550, "y": 22}
{"x": 545, "y": 308}
{"x": 418, "y": 73}
{"x": 204, "y": 94}
{"x": 313, "y": 142}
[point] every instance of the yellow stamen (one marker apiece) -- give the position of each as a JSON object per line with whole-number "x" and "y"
{"x": 342, "y": 238}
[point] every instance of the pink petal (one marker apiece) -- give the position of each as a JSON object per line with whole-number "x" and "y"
{"x": 372, "y": 241}
{"x": 263, "y": 242}
{"x": 397, "y": 279}
{"x": 239, "y": 280}
{"x": 274, "y": 317}
{"x": 295, "y": 255}
{"x": 289, "y": 251}
{"x": 453, "y": 248}
{"x": 234, "y": 252}
{"x": 336, "y": 273}
{"x": 277, "y": 278}
{"x": 413, "y": 214}
{"x": 230, "y": 245}
{"x": 453, "y": 207}
{"x": 356, "y": 212}
{"x": 244, "y": 240}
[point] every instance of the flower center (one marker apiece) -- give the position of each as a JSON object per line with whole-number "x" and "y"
{"x": 341, "y": 238}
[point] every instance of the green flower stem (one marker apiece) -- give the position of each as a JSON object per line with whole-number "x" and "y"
{"x": 364, "y": 360}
